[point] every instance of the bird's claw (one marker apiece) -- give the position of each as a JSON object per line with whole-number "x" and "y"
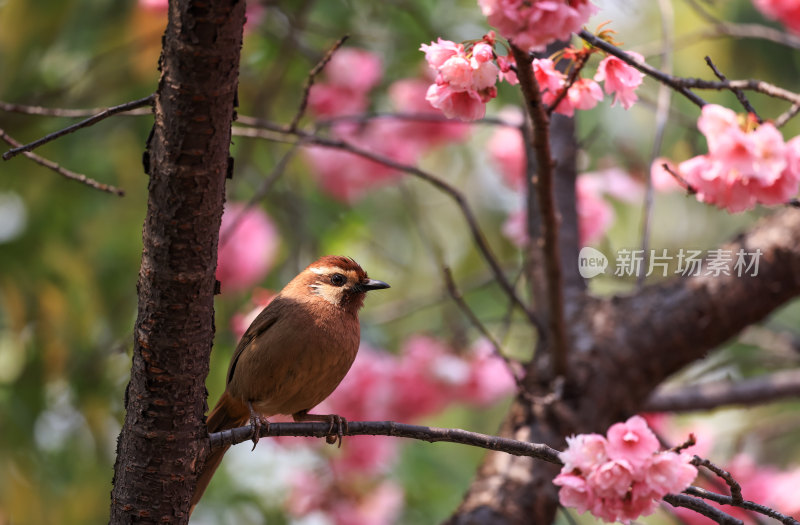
{"x": 256, "y": 421}
{"x": 340, "y": 424}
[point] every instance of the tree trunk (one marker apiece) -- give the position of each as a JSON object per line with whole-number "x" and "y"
{"x": 162, "y": 441}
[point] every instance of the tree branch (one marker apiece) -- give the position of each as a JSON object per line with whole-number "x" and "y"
{"x": 557, "y": 334}
{"x": 701, "y": 507}
{"x": 148, "y": 100}
{"x": 744, "y": 504}
{"x": 707, "y": 396}
{"x": 390, "y": 428}
{"x": 49, "y": 164}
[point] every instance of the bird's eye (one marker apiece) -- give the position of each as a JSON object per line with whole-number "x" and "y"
{"x": 338, "y": 279}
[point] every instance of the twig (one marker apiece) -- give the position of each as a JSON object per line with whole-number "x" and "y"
{"x": 279, "y": 133}
{"x": 786, "y": 116}
{"x": 61, "y": 112}
{"x": 707, "y": 396}
{"x": 62, "y": 171}
{"x": 390, "y": 428}
{"x": 312, "y": 75}
{"x": 745, "y": 504}
{"x": 439, "y": 118}
{"x": 573, "y": 76}
{"x": 454, "y": 292}
{"x": 691, "y": 190}
{"x": 641, "y": 66}
{"x": 148, "y": 100}
{"x": 733, "y": 485}
{"x": 740, "y": 96}
{"x": 546, "y": 198}
{"x": 701, "y": 507}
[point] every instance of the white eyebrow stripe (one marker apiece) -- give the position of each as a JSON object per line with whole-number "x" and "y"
{"x": 323, "y": 270}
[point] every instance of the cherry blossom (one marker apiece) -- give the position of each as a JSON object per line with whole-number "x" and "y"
{"x": 465, "y": 78}
{"x": 247, "y": 247}
{"x": 533, "y": 25}
{"x": 621, "y": 476}
{"x": 620, "y": 79}
{"x": 746, "y": 163}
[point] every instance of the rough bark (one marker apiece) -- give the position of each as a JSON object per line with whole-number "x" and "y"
{"x": 163, "y": 437}
{"x": 623, "y": 348}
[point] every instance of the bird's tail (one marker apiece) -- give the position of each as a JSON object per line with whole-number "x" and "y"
{"x": 228, "y": 413}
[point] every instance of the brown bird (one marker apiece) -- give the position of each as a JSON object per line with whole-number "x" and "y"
{"x": 294, "y": 354}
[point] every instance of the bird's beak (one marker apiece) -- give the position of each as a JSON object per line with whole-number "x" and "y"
{"x": 370, "y": 284}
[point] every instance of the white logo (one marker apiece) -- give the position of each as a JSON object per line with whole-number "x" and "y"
{"x": 591, "y": 262}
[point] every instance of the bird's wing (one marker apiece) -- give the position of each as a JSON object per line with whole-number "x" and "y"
{"x": 268, "y": 317}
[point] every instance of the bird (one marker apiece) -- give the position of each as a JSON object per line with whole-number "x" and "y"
{"x": 294, "y": 354}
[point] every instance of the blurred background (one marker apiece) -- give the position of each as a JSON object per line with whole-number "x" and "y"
{"x": 69, "y": 255}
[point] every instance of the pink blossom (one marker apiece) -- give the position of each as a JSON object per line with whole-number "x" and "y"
{"x": 547, "y": 76}
{"x": 464, "y": 82}
{"x": 533, "y": 25}
{"x": 611, "y": 479}
{"x": 247, "y": 247}
{"x": 583, "y": 94}
{"x": 437, "y": 53}
{"x": 620, "y": 78}
{"x": 787, "y": 12}
{"x": 744, "y": 166}
{"x": 621, "y": 476}
{"x": 632, "y": 440}
{"x": 584, "y": 452}
{"x": 575, "y": 492}
{"x": 669, "y": 472}
{"x": 464, "y": 105}
{"x": 408, "y": 96}
{"x": 505, "y": 64}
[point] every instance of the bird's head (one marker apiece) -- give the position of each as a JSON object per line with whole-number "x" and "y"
{"x": 339, "y": 281}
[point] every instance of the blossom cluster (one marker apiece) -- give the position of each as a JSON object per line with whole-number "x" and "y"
{"x": 619, "y": 79}
{"x": 531, "y": 25}
{"x": 465, "y": 77}
{"x": 746, "y": 163}
{"x": 623, "y": 475}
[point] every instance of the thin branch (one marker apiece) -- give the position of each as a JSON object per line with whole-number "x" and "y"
{"x": 455, "y": 294}
{"x": 312, "y": 75}
{"x": 701, "y": 507}
{"x": 669, "y": 80}
{"x": 390, "y": 428}
{"x": 61, "y": 112}
{"x": 733, "y": 485}
{"x": 707, "y": 396}
{"x": 361, "y": 118}
{"x": 148, "y": 100}
{"x": 278, "y": 133}
{"x": 573, "y": 76}
{"x": 49, "y": 164}
{"x": 758, "y": 31}
{"x": 747, "y": 505}
{"x": 787, "y": 115}
{"x": 545, "y": 165}
{"x": 740, "y": 96}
